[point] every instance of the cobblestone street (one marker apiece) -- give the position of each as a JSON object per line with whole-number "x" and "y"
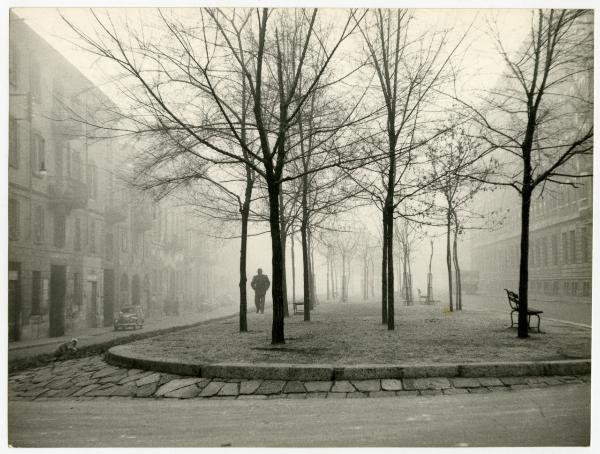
{"x": 92, "y": 378}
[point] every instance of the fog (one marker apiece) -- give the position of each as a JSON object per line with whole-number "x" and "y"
{"x": 158, "y": 146}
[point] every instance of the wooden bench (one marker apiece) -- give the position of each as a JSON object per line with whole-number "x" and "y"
{"x": 513, "y": 300}
{"x": 298, "y": 307}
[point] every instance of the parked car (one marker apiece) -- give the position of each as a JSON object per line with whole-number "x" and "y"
{"x": 129, "y": 317}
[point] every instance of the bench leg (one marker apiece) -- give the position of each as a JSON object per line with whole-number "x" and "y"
{"x": 538, "y": 323}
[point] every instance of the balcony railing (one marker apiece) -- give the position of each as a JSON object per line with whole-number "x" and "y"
{"x": 67, "y": 194}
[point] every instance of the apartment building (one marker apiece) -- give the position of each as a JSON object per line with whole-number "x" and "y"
{"x": 81, "y": 243}
{"x": 560, "y": 248}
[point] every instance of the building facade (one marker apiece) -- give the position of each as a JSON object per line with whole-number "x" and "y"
{"x": 81, "y": 244}
{"x": 560, "y": 242}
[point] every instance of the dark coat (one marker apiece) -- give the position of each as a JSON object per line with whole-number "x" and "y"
{"x": 260, "y": 283}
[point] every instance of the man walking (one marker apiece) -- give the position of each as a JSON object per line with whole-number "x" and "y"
{"x": 260, "y": 283}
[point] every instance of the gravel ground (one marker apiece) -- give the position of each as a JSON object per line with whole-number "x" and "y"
{"x": 352, "y": 334}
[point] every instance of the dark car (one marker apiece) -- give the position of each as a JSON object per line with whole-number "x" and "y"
{"x": 129, "y": 317}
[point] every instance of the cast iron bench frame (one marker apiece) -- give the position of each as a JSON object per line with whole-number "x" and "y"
{"x": 297, "y": 304}
{"x": 513, "y": 300}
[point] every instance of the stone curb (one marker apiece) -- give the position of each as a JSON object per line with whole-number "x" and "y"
{"x": 122, "y": 356}
{"x": 40, "y": 359}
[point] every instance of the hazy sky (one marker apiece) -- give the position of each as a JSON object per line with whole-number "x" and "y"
{"x": 481, "y": 61}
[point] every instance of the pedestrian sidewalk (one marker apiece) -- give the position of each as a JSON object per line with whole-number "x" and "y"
{"x": 93, "y": 336}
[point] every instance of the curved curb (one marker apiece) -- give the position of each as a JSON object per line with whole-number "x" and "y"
{"x": 122, "y": 356}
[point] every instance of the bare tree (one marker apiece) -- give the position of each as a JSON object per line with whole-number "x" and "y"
{"x": 541, "y": 115}
{"x": 459, "y": 169}
{"x": 185, "y": 85}
{"x": 409, "y": 68}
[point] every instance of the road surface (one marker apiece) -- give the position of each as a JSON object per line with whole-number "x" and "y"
{"x": 552, "y": 416}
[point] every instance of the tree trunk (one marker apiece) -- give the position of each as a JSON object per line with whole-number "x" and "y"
{"x": 304, "y": 236}
{"x": 410, "y": 287}
{"x": 311, "y": 272}
{"x": 243, "y": 278}
{"x": 390, "y": 262}
{"x": 283, "y": 230}
{"x": 277, "y": 328}
{"x": 305, "y": 271}
{"x": 404, "y": 275}
{"x": 293, "y": 270}
{"x": 524, "y": 264}
{"x": 384, "y": 283}
{"x": 457, "y": 267}
{"x": 286, "y": 311}
{"x": 449, "y": 260}
{"x": 401, "y": 282}
{"x": 429, "y": 298}
{"x": 365, "y": 278}
{"x": 372, "y": 277}
{"x": 334, "y": 279}
{"x": 344, "y": 287}
{"x": 328, "y": 272}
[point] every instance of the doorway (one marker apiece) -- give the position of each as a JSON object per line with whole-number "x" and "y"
{"x": 58, "y": 280}
{"x": 14, "y": 301}
{"x": 92, "y": 304}
{"x": 109, "y": 296}
{"x": 135, "y": 290}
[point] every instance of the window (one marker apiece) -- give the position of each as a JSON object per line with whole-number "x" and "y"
{"x": 124, "y": 240}
{"x": 92, "y": 236}
{"x": 555, "y": 249}
{"x": 547, "y": 288}
{"x": 565, "y": 248}
{"x": 555, "y": 288}
{"x": 38, "y": 224}
{"x": 14, "y": 216}
{"x": 35, "y": 81}
{"x": 572, "y": 247}
{"x": 574, "y": 288}
{"x": 13, "y": 66}
{"x": 68, "y": 159}
{"x": 76, "y": 163}
{"x": 585, "y": 253}
{"x": 59, "y": 230}
{"x": 36, "y": 293}
{"x": 92, "y": 182}
{"x": 77, "y": 294}
{"x": 77, "y": 236}
{"x": 544, "y": 251}
{"x": 586, "y": 288}
{"x": 13, "y": 144}
{"x": 39, "y": 153}
{"x": 109, "y": 246}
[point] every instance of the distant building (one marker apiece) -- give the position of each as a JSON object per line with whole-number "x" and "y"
{"x": 560, "y": 232}
{"x": 81, "y": 244}
{"x": 560, "y": 242}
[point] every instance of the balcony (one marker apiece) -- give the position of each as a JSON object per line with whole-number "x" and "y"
{"x": 115, "y": 213}
{"x": 67, "y": 194}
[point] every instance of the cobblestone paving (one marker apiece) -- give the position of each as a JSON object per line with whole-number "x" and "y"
{"x": 92, "y": 378}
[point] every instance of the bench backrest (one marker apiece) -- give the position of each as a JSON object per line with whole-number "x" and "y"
{"x": 513, "y": 299}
